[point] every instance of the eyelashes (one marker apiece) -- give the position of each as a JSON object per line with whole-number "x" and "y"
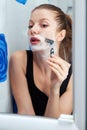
{"x": 30, "y": 26}
{"x": 42, "y": 26}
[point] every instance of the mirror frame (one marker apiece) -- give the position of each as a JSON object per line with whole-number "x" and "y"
{"x": 79, "y": 58}
{"x": 79, "y": 63}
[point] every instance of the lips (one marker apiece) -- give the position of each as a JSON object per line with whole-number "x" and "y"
{"x": 34, "y": 40}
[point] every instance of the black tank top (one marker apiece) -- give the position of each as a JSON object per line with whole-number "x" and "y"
{"x": 39, "y": 99}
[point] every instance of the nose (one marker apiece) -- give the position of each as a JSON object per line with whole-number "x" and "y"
{"x": 34, "y": 30}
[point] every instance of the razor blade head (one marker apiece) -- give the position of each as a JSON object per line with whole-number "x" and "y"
{"x": 49, "y": 41}
{"x": 52, "y": 51}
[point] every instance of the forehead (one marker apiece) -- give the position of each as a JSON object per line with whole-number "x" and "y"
{"x": 43, "y": 13}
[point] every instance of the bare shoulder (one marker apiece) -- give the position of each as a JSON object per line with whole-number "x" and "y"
{"x": 18, "y": 60}
{"x": 18, "y": 55}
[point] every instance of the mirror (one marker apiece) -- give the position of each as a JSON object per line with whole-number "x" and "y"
{"x": 15, "y": 29}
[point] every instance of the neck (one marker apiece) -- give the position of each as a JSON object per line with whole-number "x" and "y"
{"x": 40, "y": 59}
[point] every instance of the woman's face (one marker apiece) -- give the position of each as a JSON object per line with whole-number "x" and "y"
{"x": 42, "y": 22}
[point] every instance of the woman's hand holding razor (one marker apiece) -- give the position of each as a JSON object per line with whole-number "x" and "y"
{"x": 60, "y": 69}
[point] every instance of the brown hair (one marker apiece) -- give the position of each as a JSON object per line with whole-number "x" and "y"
{"x": 64, "y": 22}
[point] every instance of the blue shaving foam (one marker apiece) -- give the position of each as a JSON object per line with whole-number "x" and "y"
{"x": 3, "y": 58}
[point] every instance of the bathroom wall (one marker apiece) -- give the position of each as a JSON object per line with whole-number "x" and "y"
{"x": 5, "y": 95}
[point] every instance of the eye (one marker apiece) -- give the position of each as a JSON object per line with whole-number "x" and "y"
{"x": 44, "y": 25}
{"x": 30, "y": 26}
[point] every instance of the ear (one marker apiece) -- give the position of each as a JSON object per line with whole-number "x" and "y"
{"x": 61, "y": 35}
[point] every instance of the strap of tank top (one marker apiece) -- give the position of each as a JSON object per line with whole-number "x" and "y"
{"x": 29, "y": 67}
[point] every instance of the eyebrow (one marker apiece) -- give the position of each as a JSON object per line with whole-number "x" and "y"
{"x": 44, "y": 19}
{"x": 40, "y": 19}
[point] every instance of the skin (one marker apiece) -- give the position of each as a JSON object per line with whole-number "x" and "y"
{"x": 51, "y": 73}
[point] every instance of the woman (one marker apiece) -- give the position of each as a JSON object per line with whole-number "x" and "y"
{"x": 42, "y": 83}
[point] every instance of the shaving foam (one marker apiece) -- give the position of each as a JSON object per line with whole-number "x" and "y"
{"x": 46, "y": 47}
{"x": 40, "y": 46}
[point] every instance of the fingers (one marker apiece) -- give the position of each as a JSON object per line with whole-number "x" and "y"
{"x": 59, "y": 61}
{"x": 55, "y": 67}
{"x": 59, "y": 74}
{"x": 59, "y": 66}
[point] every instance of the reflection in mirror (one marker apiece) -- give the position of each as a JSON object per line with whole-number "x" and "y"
{"x": 41, "y": 74}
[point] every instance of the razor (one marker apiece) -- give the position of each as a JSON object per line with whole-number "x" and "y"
{"x": 51, "y": 43}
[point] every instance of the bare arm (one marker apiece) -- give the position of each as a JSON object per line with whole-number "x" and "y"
{"x": 59, "y": 105}
{"x": 19, "y": 83}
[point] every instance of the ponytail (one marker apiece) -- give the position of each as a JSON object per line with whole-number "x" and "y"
{"x": 66, "y": 46}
